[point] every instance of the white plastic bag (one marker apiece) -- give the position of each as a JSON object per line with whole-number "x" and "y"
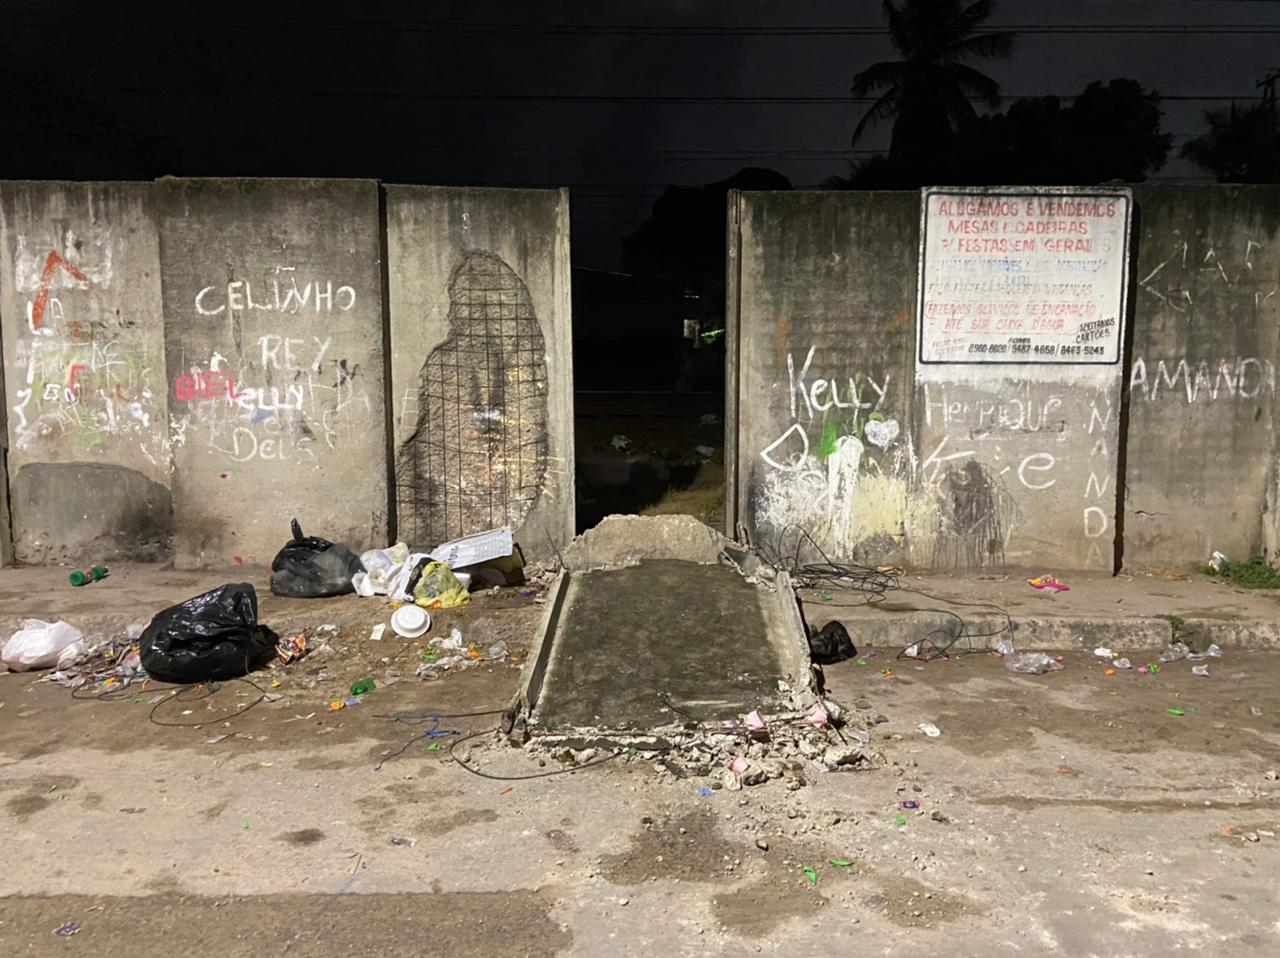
{"x": 38, "y": 644}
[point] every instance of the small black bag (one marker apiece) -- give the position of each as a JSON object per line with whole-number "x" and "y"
{"x": 212, "y": 637}
{"x": 312, "y": 568}
{"x": 831, "y": 644}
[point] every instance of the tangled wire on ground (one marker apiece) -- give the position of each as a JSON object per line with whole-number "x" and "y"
{"x": 874, "y": 584}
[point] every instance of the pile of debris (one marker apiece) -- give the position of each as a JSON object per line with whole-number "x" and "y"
{"x": 793, "y": 744}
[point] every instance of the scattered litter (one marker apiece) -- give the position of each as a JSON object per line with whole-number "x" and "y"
{"x": 309, "y": 567}
{"x": 1122, "y": 664}
{"x": 1176, "y": 712}
{"x": 738, "y": 766}
{"x": 862, "y": 661}
{"x": 410, "y": 842}
{"x": 245, "y": 824}
{"x": 705, "y": 792}
{"x": 509, "y": 788}
{"x": 929, "y": 729}
{"x": 1202, "y": 670}
{"x": 291, "y": 649}
{"x": 337, "y": 704}
{"x": 831, "y": 644}
{"x": 708, "y": 419}
{"x": 67, "y": 930}
{"x": 909, "y": 804}
{"x": 1103, "y": 652}
{"x": 1215, "y": 563}
{"x": 303, "y": 718}
{"x": 911, "y": 651}
{"x": 217, "y": 738}
{"x": 352, "y": 700}
{"x": 476, "y": 549}
{"x": 1044, "y": 582}
{"x": 841, "y": 863}
{"x": 826, "y": 597}
{"x": 1175, "y": 651}
{"x": 376, "y": 634}
{"x": 1005, "y": 647}
{"x": 88, "y": 576}
{"x": 272, "y": 696}
{"x": 899, "y": 820}
{"x": 1108, "y": 671}
{"x": 498, "y": 652}
{"x": 706, "y": 452}
{"x": 410, "y": 622}
{"x": 212, "y": 636}
{"x": 754, "y": 722}
{"x": 620, "y": 443}
{"x": 810, "y": 874}
{"x": 1213, "y": 651}
{"x": 1255, "y": 711}
{"x": 363, "y": 685}
{"x": 1032, "y": 663}
{"x": 819, "y": 718}
{"x": 41, "y": 645}
{"x": 439, "y": 588}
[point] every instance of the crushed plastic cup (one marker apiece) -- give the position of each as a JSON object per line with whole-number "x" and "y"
{"x": 499, "y": 651}
{"x": 1175, "y": 651}
{"x": 1005, "y": 647}
{"x": 1200, "y": 670}
{"x": 1122, "y": 664}
{"x": 1103, "y": 652}
{"x": 1032, "y": 663}
{"x": 1213, "y": 651}
{"x": 929, "y": 729}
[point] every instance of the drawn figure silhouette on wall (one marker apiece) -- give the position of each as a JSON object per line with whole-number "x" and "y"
{"x": 478, "y": 454}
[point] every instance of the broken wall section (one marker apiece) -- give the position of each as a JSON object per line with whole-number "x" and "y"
{"x": 1202, "y": 383}
{"x": 274, "y": 344}
{"x": 481, "y": 370}
{"x": 84, "y": 372}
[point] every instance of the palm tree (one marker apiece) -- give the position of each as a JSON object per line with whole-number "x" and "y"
{"x": 928, "y": 91}
{"x": 1242, "y": 144}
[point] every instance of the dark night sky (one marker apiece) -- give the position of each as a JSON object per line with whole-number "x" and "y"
{"x": 614, "y": 99}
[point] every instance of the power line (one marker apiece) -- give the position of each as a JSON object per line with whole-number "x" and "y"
{"x": 579, "y": 97}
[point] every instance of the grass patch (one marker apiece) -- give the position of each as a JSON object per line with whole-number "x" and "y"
{"x": 1255, "y": 573}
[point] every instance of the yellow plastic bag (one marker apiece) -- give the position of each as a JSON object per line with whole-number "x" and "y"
{"x": 439, "y": 588}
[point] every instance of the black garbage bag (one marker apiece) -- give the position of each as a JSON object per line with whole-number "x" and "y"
{"x": 312, "y": 568}
{"x": 212, "y": 637}
{"x": 831, "y": 644}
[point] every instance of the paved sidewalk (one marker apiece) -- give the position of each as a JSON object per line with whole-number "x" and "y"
{"x": 1122, "y": 612}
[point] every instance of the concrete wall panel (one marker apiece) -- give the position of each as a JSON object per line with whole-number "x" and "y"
{"x": 84, "y": 371}
{"x": 273, "y": 322}
{"x": 822, "y": 290}
{"x": 1202, "y": 385}
{"x": 481, "y": 371}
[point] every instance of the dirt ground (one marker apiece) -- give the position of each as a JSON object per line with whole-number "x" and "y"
{"x": 1069, "y": 813}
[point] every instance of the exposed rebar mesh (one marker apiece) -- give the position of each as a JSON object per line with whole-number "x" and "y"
{"x": 478, "y": 455}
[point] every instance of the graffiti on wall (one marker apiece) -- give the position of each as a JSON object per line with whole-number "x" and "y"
{"x": 477, "y": 454}
{"x": 84, "y": 385}
{"x": 838, "y": 469}
{"x": 280, "y": 398}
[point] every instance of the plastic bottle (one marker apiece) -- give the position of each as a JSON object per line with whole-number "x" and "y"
{"x": 91, "y": 574}
{"x": 364, "y": 685}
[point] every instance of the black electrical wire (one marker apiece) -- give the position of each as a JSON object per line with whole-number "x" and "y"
{"x": 874, "y": 585}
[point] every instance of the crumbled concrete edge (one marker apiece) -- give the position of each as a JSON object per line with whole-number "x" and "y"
{"x": 789, "y": 746}
{"x": 619, "y": 541}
